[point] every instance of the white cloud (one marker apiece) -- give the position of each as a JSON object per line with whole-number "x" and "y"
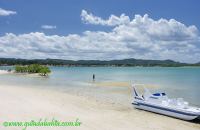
{"x": 48, "y": 27}
{"x": 141, "y": 37}
{"x": 4, "y": 12}
{"x": 112, "y": 21}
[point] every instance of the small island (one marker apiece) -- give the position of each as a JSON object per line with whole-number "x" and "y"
{"x": 32, "y": 69}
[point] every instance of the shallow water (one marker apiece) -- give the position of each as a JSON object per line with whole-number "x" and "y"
{"x": 175, "y": 81}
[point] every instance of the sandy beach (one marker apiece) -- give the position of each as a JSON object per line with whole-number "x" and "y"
{"x": 4, "y": 72}
{"x": 29, "y": 103}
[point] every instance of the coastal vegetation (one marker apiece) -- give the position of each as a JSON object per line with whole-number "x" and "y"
{"x": 124, "y": 62}
{"x": 33, "y": 68}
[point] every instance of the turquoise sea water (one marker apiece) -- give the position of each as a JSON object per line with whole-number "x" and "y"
{"x": 175, "y": 81}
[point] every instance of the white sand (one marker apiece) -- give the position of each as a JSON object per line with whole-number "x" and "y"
{"x": 3, "y": 72}
{"x": 25, "y": 104}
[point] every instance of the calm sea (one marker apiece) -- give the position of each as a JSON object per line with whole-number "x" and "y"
{"x": 175, "y": 81}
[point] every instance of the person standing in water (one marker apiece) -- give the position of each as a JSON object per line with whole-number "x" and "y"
{"x": 93, "y": 77}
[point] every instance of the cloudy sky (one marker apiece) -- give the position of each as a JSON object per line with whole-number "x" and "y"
{"x": 100, "y": 30}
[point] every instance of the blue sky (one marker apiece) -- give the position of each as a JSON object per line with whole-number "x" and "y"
{"x": 65, "y": 14}
{"x": 63, "y": 21}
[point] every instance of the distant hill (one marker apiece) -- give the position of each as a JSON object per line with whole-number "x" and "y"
{"x": 124, "y": 62}
{"x": 198, "y": 63}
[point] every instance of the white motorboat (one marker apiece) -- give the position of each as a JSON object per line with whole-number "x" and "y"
{"x": 160, "y": 103}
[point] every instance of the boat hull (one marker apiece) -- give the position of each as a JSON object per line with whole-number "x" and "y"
{"x": 165, "y": 111}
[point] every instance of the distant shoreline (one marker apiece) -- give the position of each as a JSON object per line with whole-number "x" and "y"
{"x": 112, "y": 66}
{"x": 96, "y": 63}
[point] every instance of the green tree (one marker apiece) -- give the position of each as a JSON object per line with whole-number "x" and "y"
{"x": 18, "y": 69}
{"x": 33, "y": 68}
{"x": 44, "y": 71}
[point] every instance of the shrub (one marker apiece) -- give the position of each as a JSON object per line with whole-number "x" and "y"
{"x": 33, "y": 68}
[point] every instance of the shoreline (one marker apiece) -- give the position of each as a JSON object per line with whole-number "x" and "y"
{"x": 27, "y": 103}
{"x": 4, "y": 72}
{"x": 195, "y": 66}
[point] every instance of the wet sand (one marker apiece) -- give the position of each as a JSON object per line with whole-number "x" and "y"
{"x": 121, "y": 84}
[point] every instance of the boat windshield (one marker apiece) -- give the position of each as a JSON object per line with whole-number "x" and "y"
{"x": 159, "y": 94}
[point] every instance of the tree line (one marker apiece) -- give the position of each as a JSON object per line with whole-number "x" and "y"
{"x": 123, "y": 62}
